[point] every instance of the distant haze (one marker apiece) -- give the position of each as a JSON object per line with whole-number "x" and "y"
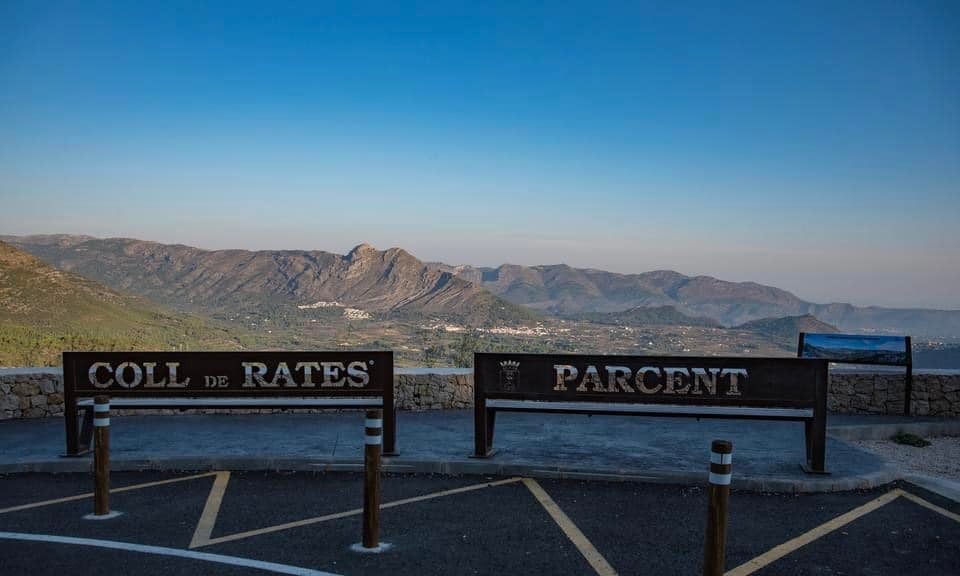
{"x": 814, "y": 147}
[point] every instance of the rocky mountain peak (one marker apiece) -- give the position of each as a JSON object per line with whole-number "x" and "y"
{"x": 362, "y": 251}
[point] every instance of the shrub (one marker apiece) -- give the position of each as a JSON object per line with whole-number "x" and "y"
{"x": 910, "y": 440}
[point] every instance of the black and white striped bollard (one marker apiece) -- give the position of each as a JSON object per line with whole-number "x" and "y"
{"x": 372, "y": 447}
{"x": 718, "y": 494}
{"x": 101, "y": 460}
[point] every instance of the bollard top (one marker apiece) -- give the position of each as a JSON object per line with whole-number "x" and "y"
{"x": 378, "y": 413}
{"x": 721, "y": 446}
{"x": 101, "y": 399}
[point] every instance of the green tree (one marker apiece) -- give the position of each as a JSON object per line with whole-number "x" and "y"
{"x": 464, "y": 348}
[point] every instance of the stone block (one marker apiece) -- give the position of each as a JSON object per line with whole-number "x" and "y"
{"x": 25, "y": 389}
{"x": 939, "y": 408}
{"x": 863, "y": 387}
{"x": 39, "y": 400}
{"x": 842, "y": 387}
{"x": 34, "y": 413}
{"x": 9, "y": 403}
{"x": 47, "y": 386}
{"x": 860, "y": 402}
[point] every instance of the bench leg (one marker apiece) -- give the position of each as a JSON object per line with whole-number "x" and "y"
{"x": 86, "y": 429}
{"x": 484, "y": 421}
{"x": 816, "y": 428}
{"x": 390, "y": 432}
{"x": 79, "y": 433}
{"x": 815, "y": 433}
{"x": 71, "y": 426}
{"x": 491, "y": 421}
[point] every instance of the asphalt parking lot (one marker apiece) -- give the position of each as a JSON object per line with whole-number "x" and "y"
{"x": 304, "y": 523}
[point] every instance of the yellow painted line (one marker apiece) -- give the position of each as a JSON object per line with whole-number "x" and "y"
{"x": 931, "y": 506}
{"x": 210, "y": 510}
{"x": 594, "y": 558}
{"x": 789, "y": 546}
{"x": 354, "y": 512}
{"x": 279, "y": 527}
{"x": 114, "y": 491}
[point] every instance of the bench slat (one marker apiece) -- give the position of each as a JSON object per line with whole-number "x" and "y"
{"x": 679, "y": 409}
{"x": 235, "y": 402}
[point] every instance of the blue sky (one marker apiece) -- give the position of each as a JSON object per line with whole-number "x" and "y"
{"x": 813, "y": 145}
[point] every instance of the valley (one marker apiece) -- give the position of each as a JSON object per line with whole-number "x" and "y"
{"x": 145, "y": 295}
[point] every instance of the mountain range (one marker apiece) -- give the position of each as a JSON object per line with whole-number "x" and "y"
{"x": 564, "y": 290}
{"x": 394, "y": 282}
{"x": 272, "y": 283}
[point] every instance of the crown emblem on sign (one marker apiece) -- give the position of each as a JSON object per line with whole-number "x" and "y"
{"x": 508, "y": 375}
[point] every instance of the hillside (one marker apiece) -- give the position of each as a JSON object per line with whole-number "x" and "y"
{"x": 44, "y": 311}
{"x": 786, "y": 330}
{"x": 231, "y": 283}
{"x": 563, "y": 290}
{"x": 646, "y": 316}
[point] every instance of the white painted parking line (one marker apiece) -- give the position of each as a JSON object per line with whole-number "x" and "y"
{"x": 161, "y": 551}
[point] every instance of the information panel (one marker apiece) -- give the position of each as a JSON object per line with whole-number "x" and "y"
{"x": 854, "y": 349}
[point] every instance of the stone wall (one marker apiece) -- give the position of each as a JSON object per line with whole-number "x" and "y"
{"x": 935, "y": 393}
{"x": 30, "y": 393}
{"x": 433, "y": 388}
{"x": 37, "y": 393}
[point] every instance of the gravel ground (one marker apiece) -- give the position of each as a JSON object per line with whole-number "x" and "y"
{"x": 941, "y": 458}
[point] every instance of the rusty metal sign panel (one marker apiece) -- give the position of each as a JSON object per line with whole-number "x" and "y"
{"x": 211, "y": 374}
{"x": 350, "y": 380}
{"x": 762, "y": 382}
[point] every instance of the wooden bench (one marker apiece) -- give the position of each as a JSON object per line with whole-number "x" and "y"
{"x": 225, "y": 380}
{"x": 786, "y": 389}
